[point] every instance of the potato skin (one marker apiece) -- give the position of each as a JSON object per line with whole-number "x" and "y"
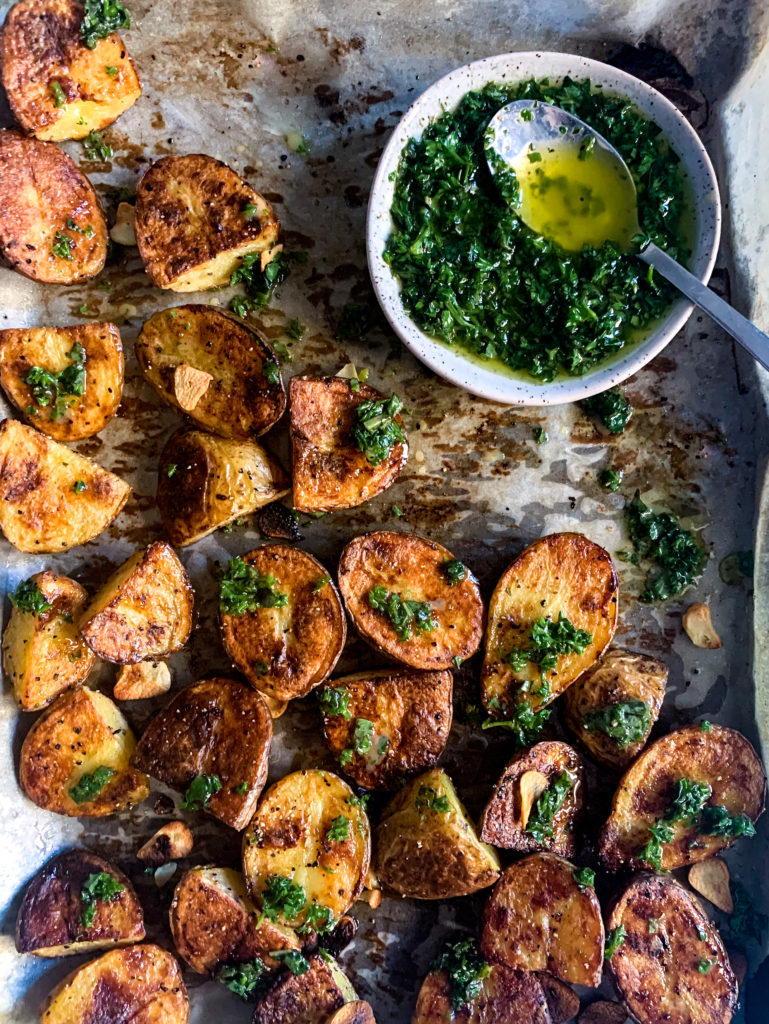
{"x": 656, "y": 973}
{"x": 329, "y": 470}
{"x": 506, "y": 997}
{"x": 308, "y": 998}
{"x": 722, "y": 757}
{"x": 411, "y": 566}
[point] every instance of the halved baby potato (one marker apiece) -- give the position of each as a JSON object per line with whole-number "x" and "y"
{"x": 398, "y": 592}
{"x": 287, "y": 651}
{"x": 43, "y": 654}
{"x": 75, "y": 760}
{"x": 310, "y": 997}
{"x": 217, "y": 728}
{"x": 206, "y": 482}
{"x": 426, "y": 846}
{"x": 51, "y": 498}
{"x": 720, "y": 758}
{"x": 51, "y": 226}
{"x": 55, "y": 920}
{"x": 309, "y": 830}
{"x": 144, "y": 610}
{"x": 409, "y": 709}
{"x": 196, "y": 219}
{"x": 51, "y": 349}
{"x": 505, "y": 997}
{"x": 539, "y": 919}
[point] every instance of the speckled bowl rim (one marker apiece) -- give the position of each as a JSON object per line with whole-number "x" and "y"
{"x": 450, "y": 363}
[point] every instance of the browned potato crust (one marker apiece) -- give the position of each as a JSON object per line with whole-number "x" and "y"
{"x": 329, "y": 470}
{"x": 676, "y": 971}
{"x": 286, "y": 652}
{"x": 41, "y": 189}
{"x": 721, "y": 757}
{"x": 562, "y": 1001}
{"x": 411, "y": 566}
{"x": 171, "y": 842}
{"x": 309, "y": 998}
{"x": 411, "y": 709}
{"x": 506, "y": 997}
{"x": 357, "y": 1012}
{"x": 50, "y": 918}
{"x": 538, "y": 919}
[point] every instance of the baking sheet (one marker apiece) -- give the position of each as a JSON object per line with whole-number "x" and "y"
{"x": 235, "y": 79}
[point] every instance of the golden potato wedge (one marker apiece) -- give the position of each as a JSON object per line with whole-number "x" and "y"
{"x": 426, "y": 847}
{"x": 613, "y": 706}
{"x": 205, "y": 482}
{"x": 143, "y": 611}
{"x": 43, "y": 653}
{"x": 310, "y": 833}
{"x": 671, "y": 964}
{"x": 143, "y": 680}
{"x": 215, "y": 729}
{"x": 51, "y": 498}
{"x": 563, "y": 574}
{"x": 357, "y": 1012}
{"x": 196, "y": 219}
{"x": 275, "y": 707}
{"x": 506, "y": 997}
{"x": 412, "y": 710}
{"x": 140, "y": 983}
{"x": 329, "y": 470}
{"x": 438, "y": 621}
{"x": 171, "y": 842}
{"x": 719, "y": 758}
{"x": 51, "y": 226}
{"x": 538, "y": 919}
{"x": 65, "y": 416}
{"x": 286, "y": 651}
{"x": 75, "y": 760}
{"x": 238, "y": 401}
{"x": 308, "y": 998}
{"x": 66, "y": 910}
{"x": 519, "y": 817}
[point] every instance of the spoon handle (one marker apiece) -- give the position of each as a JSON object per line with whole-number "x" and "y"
{"x": 741, "y": 329}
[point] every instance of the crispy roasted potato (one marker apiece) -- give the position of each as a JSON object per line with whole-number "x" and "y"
{"x": 55, "y": 920}
{"x": 719, "y": 757}
{"x": 51, "y": 498}
{"x": 286, "y": 652}
{"x": 195, "y": 221}
{"x": 43, "y": 654}
{"x": 142, "y": 680}
{"x": 538, "y": 919}
{"x": 562, "y": 1001}
{"x": 603, "y": 1011}
{"x": 426, "y": 847}
{"x": 412, "y": 710}
{"x": 411, "y": 569}
{"x": 75, "y": 759}
{"x": 289, "y": 838}
{"x": 308, "y": 998}
{"x": 144, "y": 610}
{"x": 563, "y": 574}
{"x": 51, "y": 226}
{"x": 138, "y": 984}
{"x": 672, "y": 965}
{"x": 506, "y": 997}
{"x": 510, "y": 819}
{"x": 172, "y": 841}
{"x": 356, "y": 1012}
{"x": 205, "y": 482}
{"x": 613, "y": 706}
{"x": 219, "y": 728}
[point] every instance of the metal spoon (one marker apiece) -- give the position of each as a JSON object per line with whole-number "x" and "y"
{"x": 522, "y": 130}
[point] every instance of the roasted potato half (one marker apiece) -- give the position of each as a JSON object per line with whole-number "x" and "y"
{"x": 535, "y": 804}
{"x": 40, "y": 364}
{"x": 670, "y": 964}
{"x": 43, "y": 653}
{"x": 539, "y": 919}
{"x": 211, "y": 366}
{"x": 506, "y": 997}
{"x": 75, "y": 760}
{"x": 286, "y": 651}
{"x": 704, "y": 787}
{"x": 139, "y": 983}
{"x": 195, "y": 221}
{"x": 307, "y": 831}
{"x": 205, "y": 482}
{"x": 427, "y": 848}
{"x": 409, "y": 709}
{"x": 400, "y": 593}
{"x": 307, "y": 998}
{"x": 68, "y": 909}
{"x": 51, "y": 498}
{"x": 51, "y": 226}
{"x": 217, "y": 729}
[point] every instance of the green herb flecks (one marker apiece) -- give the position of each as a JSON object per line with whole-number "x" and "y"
{"x": 611, "y": 479}
{"x": 611, "y": 408}
{"x": 429, "y": 800}
{"x": 317, "y": 918}
{"x": 98, "y": 888}
{"x": 540, "y": 435}
{"x": 465, "y": 967}
{"x": 258, "y": 284}
{"x": 321, "y": 584}
{"x": 62, "y": 246}
{"x": 58, "y": 390}
{"x": 689, "y": 798}
{"x": 338, "y": 830}
{"x": 584, "y": 877}
{"x": 625, "y": 722}
{"x": 295, "y": 329}
{"x": 376, "y": 431}
{"x": 658, "y": 537}
{"x": 746, "y": 923}
{"x": 651, "y": 853}
{"x": 241, "y": 789}
{"x": 95, "y": 147}
{"x": 405, "y": 616}
{"x": 548, "y": 641}
{"x": 454, "y": 571}
{"x": 199, "y": 792}
{"x": 521, "y": 720}
{"x": 243, "y": 589}
{"x": 283, "y": 898}
{"x": 717, "y": 821}
{"x": 100, "y": 19}
{"x": 59, "y": 96}
{"x": 79, "y": 486}
{"x": 362, "y": 735}
{"x": 271, "y": 371}
{"x": 705, "y": 966}
{"x": 28, "y": 597}
{"x": 614, "y": 940}
{"x": 242, "y": 979}
{"x": 540, "y": 823}
{"x": 291, "y": 958}
{"x": 90, "y": 785}
{"x": 335, "y": 700}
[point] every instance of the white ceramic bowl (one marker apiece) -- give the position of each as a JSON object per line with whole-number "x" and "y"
{"x": 449, "y": 362}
